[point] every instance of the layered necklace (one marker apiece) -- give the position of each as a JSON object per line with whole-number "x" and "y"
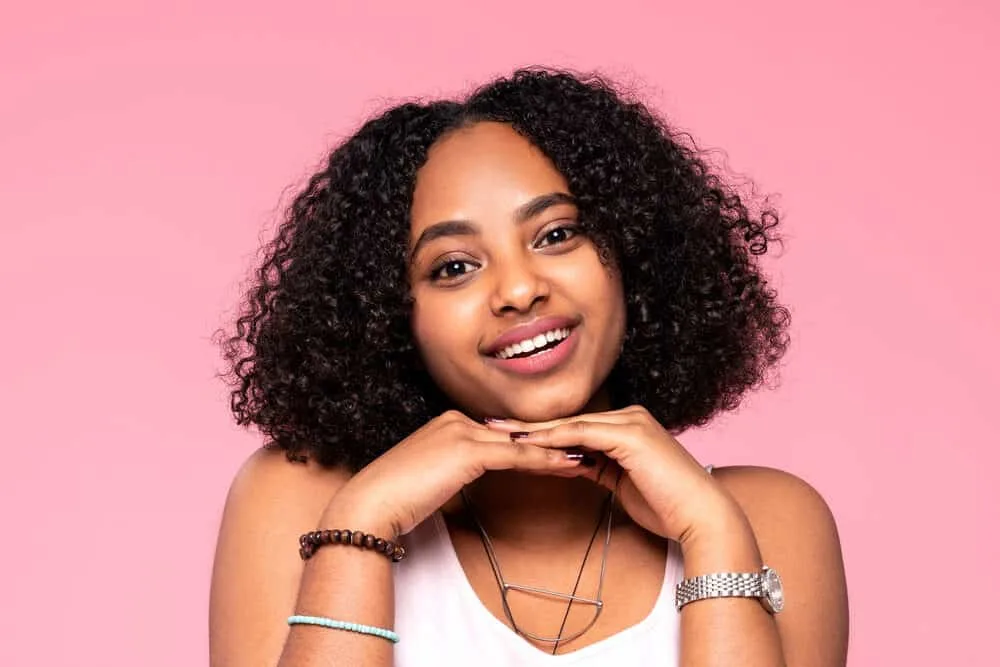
{"x": 505, "y": 587}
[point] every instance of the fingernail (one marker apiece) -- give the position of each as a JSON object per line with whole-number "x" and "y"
{"x": 583, "y": 459}
{"x": 493, "y": 420}
{"x": 517, "y": 435}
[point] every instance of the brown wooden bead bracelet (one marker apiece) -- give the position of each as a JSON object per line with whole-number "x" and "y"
{"x": 311, "y": 542}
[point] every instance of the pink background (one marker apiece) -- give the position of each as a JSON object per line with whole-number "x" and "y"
{"x": 145, "y": 150}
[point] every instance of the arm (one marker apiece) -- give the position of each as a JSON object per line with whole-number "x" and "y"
{"x": 259, "y": 579}
{"x": 734, "y": 521}
{"x": 777, "y": 520}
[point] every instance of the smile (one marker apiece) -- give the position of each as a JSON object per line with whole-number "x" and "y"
{"x": 535, "y": 345}
{"x": 543, "y": 354}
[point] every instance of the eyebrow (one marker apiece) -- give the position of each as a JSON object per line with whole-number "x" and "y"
{"x": 539, "y": 204}
{"x": 525, "y": 212}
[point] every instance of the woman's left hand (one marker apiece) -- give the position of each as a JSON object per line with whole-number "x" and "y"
{"x": 662, "y": 487}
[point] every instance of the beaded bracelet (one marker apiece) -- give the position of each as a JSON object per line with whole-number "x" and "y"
{"x": 311, "y": 542}
{"x": 324, "y": 622}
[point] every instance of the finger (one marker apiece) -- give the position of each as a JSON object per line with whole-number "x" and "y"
{"x": 607, "y": 438}
{"x": 487, "y": 435}
{"x": 511, "y": 454}
{"x": 515, "y": 425}
{"x": 600, "y": 469}
{"x": 608, "y": 475}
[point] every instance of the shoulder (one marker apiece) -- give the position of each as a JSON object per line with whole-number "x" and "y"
{"x": 780, "y": 506}
{"x": 257, "y": 568}
{"x": 271, "y": 502}
{"x": 267, "y": 479}
{"x": 769, "y": 492}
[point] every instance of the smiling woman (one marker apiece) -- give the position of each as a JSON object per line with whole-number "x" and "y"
{"x": 475, "y": 339}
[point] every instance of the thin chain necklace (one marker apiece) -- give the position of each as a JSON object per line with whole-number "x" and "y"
{"x": 505, "y": 587}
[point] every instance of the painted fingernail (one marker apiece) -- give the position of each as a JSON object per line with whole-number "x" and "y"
{"x": 517, "y": 435}
{"x": 583, "y": 459}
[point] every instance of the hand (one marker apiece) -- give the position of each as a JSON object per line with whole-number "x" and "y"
{"x": 661, "y": 486}
{"x": 405, "y": 485}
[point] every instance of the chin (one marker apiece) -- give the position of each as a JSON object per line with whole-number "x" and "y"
{"x": 539, "y": 409}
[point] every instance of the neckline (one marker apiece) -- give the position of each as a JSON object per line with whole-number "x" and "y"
{"x": 528, "y": 650}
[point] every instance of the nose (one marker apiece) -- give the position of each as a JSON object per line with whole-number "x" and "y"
{"x": 519, "y": 286}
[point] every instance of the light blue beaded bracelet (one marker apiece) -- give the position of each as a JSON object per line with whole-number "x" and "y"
{"x": 343, "y": 625}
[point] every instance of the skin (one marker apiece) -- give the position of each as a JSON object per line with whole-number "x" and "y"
{"x": 506, "y": 269}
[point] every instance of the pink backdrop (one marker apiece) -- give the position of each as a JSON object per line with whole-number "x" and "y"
{"x": 144, "y": 151}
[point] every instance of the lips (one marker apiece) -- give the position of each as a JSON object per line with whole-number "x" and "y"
{"x": 549, "y": 360}
{"x": 528, "y": 331}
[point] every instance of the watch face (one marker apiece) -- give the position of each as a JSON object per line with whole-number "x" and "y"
{"x": 774, "y": 594}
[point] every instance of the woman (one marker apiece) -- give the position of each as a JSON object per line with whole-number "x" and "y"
{"x": 470, "y": 346}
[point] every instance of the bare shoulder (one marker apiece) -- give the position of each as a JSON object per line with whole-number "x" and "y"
{"x": 268, "y": 479}
{"x": 797, "y": 536}
{"x": 787, "y": 514}
{"x": 257, "y": 567}
{"x": 769, "y": 495}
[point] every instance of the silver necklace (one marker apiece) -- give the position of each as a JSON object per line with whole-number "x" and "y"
{"x": 505, "y": 586}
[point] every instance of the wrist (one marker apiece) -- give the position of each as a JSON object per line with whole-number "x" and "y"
{"x": 724, "y": 542}
{"x": 345, "y": 514}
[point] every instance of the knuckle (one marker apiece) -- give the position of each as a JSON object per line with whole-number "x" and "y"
{"x": 453, "y": 416}
{"x": 641, "y": 417}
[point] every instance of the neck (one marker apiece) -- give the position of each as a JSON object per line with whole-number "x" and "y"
{"x": 537, "y": 510}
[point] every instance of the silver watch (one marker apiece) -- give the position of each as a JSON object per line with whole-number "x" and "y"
{"x": 764, "y": 585}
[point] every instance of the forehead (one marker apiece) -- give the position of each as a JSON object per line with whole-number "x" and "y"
{"x": 480, "y": 173}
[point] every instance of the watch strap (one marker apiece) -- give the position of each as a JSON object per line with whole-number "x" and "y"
{"x": 719, "y": 585}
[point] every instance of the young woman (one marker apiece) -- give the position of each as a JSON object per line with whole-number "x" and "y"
{"x": 471, "y": 346}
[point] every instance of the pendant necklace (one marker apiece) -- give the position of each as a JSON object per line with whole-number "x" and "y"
{"x": 505, "y": 587}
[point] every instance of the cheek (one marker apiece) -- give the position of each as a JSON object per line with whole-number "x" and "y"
{"x": 604, "y": 288}
{"x": 617, "y": 295}
{"x": 616, "y": 310}
{"x": 425, "y": 334}
{"x": 442, "y": 326}
{"x": 600, "y": 283}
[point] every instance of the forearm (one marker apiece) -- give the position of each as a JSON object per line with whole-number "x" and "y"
{"x": 721, "y": 632}
{"x": 343, "y": 583}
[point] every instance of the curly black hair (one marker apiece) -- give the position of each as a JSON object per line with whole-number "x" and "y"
{"x": 323, "y": 360}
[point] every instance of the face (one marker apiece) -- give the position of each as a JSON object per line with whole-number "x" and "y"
{"x": 515, "y": 315}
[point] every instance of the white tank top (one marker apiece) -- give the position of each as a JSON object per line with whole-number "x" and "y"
{"x": 441, "y": 620}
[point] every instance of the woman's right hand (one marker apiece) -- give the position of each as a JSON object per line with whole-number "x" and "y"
{"x": 405, "y": 485}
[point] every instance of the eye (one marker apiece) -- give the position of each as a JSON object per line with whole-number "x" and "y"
{"x": 451, "y": 269}
{"x": 557, "y": 235}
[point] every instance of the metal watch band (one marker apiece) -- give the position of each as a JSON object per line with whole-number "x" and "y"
{"x": 719, "y": 585}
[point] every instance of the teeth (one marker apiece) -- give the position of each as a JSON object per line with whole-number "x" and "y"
{"x": 532, "y": 344}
